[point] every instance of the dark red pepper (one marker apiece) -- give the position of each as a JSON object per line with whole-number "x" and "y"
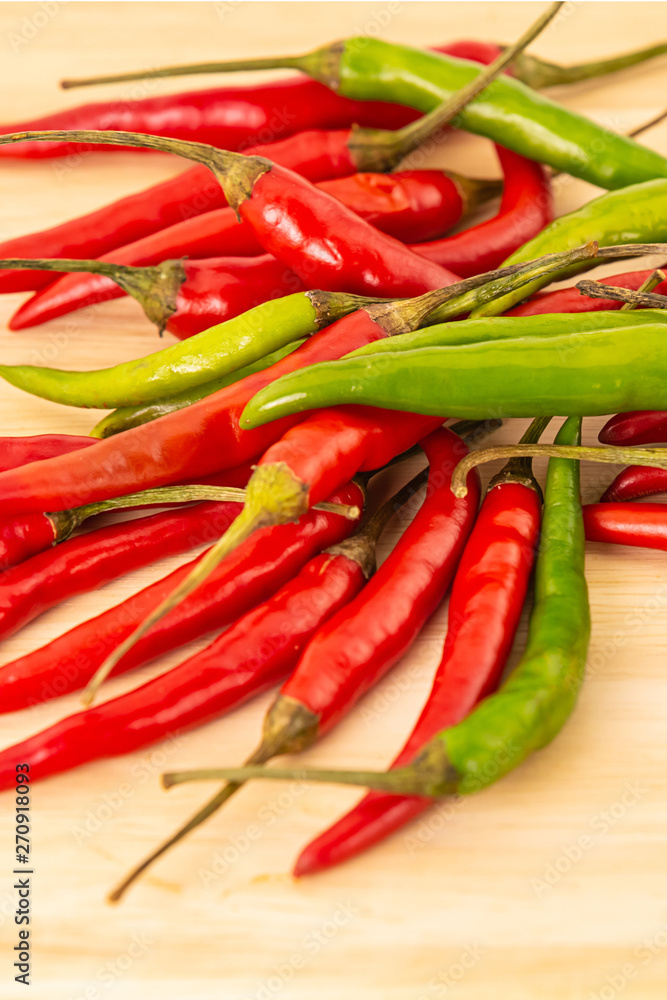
{"x": 636, "y": 427}
{"x": 634, "y": 482}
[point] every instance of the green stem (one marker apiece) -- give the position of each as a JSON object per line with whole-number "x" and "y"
{"x": 538, "y": 74}
{"x": 401, "y": 781}
{"x": 535, "y": 72}
{"x": 155, "y": 288}
{"x": 655, "y": 458}
{"x": 381, "y": 150}
{"x": 520, "y": 470}
{"x": 598, "y": 290}
{"x": 653, "y": 280}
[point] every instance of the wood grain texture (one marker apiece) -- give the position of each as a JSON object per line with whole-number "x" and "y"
{"x": 494, "y": 898}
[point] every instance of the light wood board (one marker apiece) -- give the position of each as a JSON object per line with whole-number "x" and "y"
{"x": 495, "y": 898}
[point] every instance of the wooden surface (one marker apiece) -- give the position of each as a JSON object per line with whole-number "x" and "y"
{"x": 494, "y": 898}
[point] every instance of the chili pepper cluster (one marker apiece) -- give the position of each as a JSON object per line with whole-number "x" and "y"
{"x": 313, "y": 293}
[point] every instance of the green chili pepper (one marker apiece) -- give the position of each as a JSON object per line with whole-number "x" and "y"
{"x": 508, "y": 112}
{"x": 604, "y": 371}
{"x": 539, "y": 696}
{"x": 215, "y": 352}
{"x": 133, "y": 416}
{"x": 473, "y": 331}
{"x": 637, "y": 214}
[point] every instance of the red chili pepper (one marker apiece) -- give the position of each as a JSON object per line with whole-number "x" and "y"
{"x": 525, "y": 209}
{"x": 366, "y": 638}
{"x": 23, "y": 537}
{"x": 17, "y": 451}
{"x": 77, "y": 565}
{"x": 316, "y": 155}
{"x": 406, "y": 205}
{"x": 637, "y": 427}
{"x": 326, "y": 244}
{"x": 484, "y": 610}
{"x": 212, "y": 291}
{"x": 177, "y": 447}
{"x": 228, "y": 117}
{"x": 634, "y": 482}
{"x": 264, "y": 563}
{"x": 250, "y": 657}
{"x": 571, "y": 300}
{"x": 644, "y": 525}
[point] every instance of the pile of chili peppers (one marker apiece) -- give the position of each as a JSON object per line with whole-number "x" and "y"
{"x": 315, "y": 308}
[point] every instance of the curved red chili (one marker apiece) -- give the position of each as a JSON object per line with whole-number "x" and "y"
{"x": 406, "y": 205}
{"x": 326, "y": 244}
{"x": 643, "y": 525}
{"x": 566, "y": 300}
{"x": 484, "y": 610}
{"x": 22, "y": 537}
{"x": 254, "y": 571}
{"x": 525, "y": 209}
{"x": 17, "y": 451}
{"x": 634, "y": 482}
{"x": 637, "y": 427}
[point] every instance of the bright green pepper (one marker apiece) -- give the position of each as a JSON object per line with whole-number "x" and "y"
{"x": 637, "y": 214}
{"x": 540, "y": 694}
{"x": 216, "y": 352}
{"x": 508, "y": 112}
{"x": 133, "y": 416}
{"x": 473, "y": 331}
{"x": 604, "y": 371}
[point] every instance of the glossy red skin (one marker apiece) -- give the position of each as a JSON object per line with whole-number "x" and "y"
{"x": 643, "y": 525}
{"x": 17, "y": 451}
{"x": 249, "y": 576}
{"x": 328, "y": 245}
{"x": 330, "y": 446}
{"x": 364, "y": 640}
{"x": 636, "y": 427}
{"x": 484, "y": 610}
{"x": 317, "y": 155}
{"x": 203, "y": 438}
{"x": 228, "y": 117}
{"x": 634, "y": 482}
{"x": 571, "y": 300}
{"x": 214, "y": 290}
{"x": 253, "y": 655}
{"x": 23, "y": 536}
{"x": 414, "y": 205}
{"x": 526, "y": 207}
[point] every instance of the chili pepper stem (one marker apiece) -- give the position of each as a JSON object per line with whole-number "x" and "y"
{"x": 401, "y": 781}
{"x": 273, "y": 497}
{"x": 520, "y": 470}
{"x": 654, "y": 457}
{"x": 598, "y": 290}
{"x": 653, "y": 280}
{"x": 155, "y": 288}
{"x": 534, "y": 72}
{"x": 381, "y": 150}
